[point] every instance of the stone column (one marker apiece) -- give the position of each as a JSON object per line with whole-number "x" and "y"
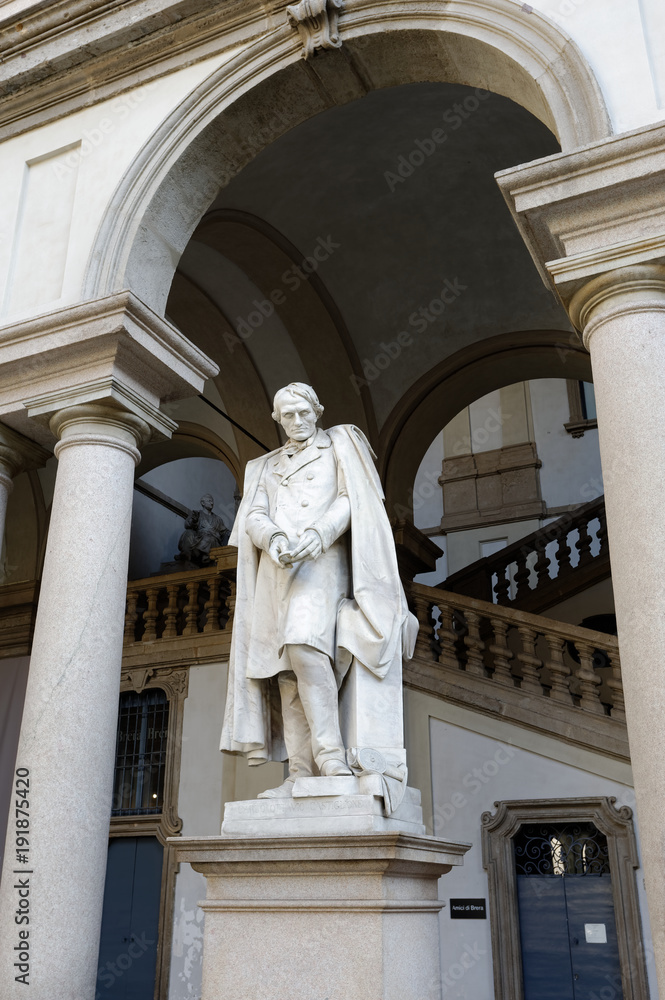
{"x": 622, "y": 316}
{"x": 66, "y": 748}
{"x": 17, "y": 454}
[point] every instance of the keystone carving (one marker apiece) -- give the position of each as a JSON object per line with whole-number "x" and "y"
{"x": 316, "y": 21}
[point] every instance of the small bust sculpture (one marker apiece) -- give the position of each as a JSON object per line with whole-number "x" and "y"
{"x": 203, "y": 531}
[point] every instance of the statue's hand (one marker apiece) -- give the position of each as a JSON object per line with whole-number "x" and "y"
{"x": 279, "y": 544}
{"x": 308, "y": 547}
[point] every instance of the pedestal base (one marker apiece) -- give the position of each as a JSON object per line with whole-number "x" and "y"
{"x": 321, "y": 918}
{"x": 323, "y": 806}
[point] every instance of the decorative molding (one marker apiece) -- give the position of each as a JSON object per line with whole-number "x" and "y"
{"x": 491, "y": 487}
{"x": 45, "y": 72}
{"x": 112, "y": 348}
{"x": 585, "y": 213}
{"x": 18, "y": 611}
{"x": 175, "y": 682}
{"x": 19, "y": 454}
{"x": 316, "y": 21}
{"x": 616, "y": 824}
{"x": 578, "y": 423}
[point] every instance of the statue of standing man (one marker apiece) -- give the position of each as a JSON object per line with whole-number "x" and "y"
{"x": 317, "y": 586}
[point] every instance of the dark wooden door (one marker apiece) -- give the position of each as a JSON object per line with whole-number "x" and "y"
{"x": 130, "y": 921}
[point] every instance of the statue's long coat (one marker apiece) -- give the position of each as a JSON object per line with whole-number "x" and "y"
{"x": 374, "y": 625}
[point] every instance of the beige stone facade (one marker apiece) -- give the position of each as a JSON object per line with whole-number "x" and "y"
{"x": 422, "y": 211}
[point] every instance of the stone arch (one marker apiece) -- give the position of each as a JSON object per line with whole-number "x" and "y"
{"x": 459, "y": 380}
{"x": 268, "y": 89}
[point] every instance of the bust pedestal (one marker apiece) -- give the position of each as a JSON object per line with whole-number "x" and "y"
{"x": 351, "y": 917}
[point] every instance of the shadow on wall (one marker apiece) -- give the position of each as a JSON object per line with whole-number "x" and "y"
{"x": 155, "y": 529}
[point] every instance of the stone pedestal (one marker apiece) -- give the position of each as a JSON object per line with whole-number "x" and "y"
{"x": 322, "y": 806}
{"x": 321, "y": 918}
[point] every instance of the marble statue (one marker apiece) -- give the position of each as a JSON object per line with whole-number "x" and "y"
{"x": 318, "y": 591}
{"x": 203, "y": 531}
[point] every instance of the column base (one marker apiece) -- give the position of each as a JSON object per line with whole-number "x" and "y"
{"x": 321, "y": 918}
{"x": 322, "y": 806}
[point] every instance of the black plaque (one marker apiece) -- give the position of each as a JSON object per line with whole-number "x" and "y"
{"x": 468, "y": 909}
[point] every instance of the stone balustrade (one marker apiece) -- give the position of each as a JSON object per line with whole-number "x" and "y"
{"x": 177, "y": 604}
{"x": 555, "y": 562}
{"x": 560, "y": 679}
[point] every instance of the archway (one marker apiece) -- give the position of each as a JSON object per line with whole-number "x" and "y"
{"x": 268, "y": 89}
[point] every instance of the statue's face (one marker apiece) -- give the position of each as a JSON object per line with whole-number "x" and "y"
{"x": 207, "y": 502}
{"x": 297, "y": 417}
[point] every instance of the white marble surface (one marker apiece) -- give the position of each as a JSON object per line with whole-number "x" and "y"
{"x": 324, "y": 806}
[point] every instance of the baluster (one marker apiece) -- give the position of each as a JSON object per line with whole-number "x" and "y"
{"x": 447, "y": 636}
{"x": 584, "y": 544}
{"x": 502, "y": 584}
{"x": 542, "y": 565}
{"x": 474, "y": 645}
{"x": 501, "y": 655}
{"x": 231, "y": 602}
{"x": 559, "y": 671}
{"x": 424, "y": 643}
{"x": 192, "y": 609}
{"x": 171, "y": 611}
{"x": 602, "y": 532}
{"x": 522, "y": 576}
{"x": 130, "y": 616}
{"x": 528, "y": 660}
{"x": 588, "y": 680}
{"x": 563, "y": 556}
{"x": 615, "y": 684}
{"x": 212, "y": 606}
{"x": 150, "y": 616}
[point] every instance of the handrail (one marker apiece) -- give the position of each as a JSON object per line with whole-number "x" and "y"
{"x": 515, "y": 567}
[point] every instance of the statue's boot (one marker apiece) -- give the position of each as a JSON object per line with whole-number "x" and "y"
{"x": 333, "y": 768}
{"x": 283, "y": 791}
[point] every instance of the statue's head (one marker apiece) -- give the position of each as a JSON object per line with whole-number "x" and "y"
{"x": 207, "y": 501}
{"x": 296, "y": 407}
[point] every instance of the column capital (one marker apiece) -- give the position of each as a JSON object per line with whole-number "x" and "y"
{"x": 114, "y": 350}
{"x": 19, "y": 453}
{"x": 596, "y": 210}
{"x": 640, "y": 288}
{"x": 105, "y": 399}
{"x": 99, "y": 423}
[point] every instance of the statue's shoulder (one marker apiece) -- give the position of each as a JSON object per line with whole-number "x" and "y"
{"x": 345, "y": 434}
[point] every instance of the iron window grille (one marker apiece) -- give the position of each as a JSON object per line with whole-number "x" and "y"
{"x": 140, "y": 759}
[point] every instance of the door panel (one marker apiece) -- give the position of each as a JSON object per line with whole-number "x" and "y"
{"x": 546, "y": 961}
{"x": 595, "y": 963}
{"x": 130, "y": 921}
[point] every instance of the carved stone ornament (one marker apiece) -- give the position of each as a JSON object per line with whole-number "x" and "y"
{"x": 316, "y": 21}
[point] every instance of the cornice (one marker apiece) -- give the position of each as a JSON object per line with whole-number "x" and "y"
{"x": 45, "y": 72}
{"x": 594, "y": 210}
